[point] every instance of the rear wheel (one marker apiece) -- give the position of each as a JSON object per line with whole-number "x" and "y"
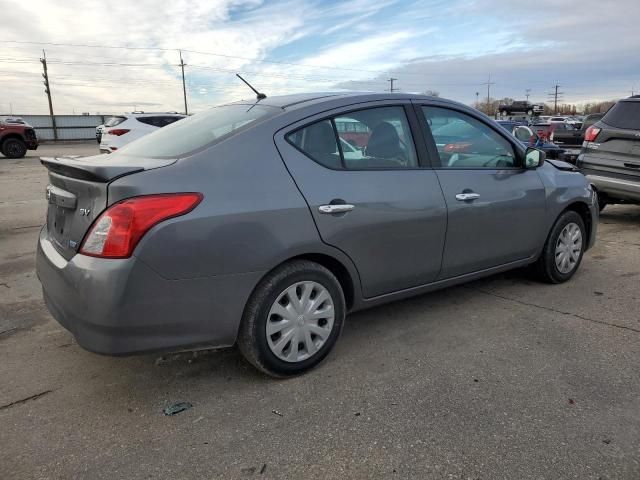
{"x": 563, "y": 250}
{"x": 14, "y": 148}
{"x": 293, "y": 319}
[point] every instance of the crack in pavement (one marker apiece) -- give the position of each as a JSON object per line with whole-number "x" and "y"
{"x": 551, "y": 309}
{"x": 24, "y": 400}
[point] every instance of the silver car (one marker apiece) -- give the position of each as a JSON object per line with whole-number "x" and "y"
{"x": 262, "y": 224}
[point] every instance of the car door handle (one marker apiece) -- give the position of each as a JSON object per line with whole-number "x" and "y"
{"x": 463, "y": 197}
{"x": 338, "y": 208}
{"x": 632, "y": 165}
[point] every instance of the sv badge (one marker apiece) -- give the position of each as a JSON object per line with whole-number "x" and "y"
{"x": 85, "y": 212}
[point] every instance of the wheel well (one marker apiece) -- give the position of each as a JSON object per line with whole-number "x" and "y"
{"x": 338, "y": 269}
{"x": 11, "y": 135}
{"x": 583, "y": 210}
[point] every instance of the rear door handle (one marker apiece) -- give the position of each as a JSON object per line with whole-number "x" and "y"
{"x": 463, "y": 197}
{"x": 338, "y": 208}
{"x": 632, "y": 165}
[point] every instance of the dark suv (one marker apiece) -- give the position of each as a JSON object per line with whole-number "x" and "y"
{"x": 16, "y": 137}
{"x": 610, "y": 156}
{"x": 520, "y": 106}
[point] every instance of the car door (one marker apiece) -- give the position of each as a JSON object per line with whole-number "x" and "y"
{"x": 378, "y": 202}
{"x": 496, "y": 208}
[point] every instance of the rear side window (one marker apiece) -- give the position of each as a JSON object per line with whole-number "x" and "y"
{"x": 201, "y": 130}
{"x": 149, "y": 121}
{"x": 318, "y": 141}
{"x": 624, "y": 115}
{"x": 373, "y": 138}
{"x": 113, "y": 121}
{"x": 164, "y": 121}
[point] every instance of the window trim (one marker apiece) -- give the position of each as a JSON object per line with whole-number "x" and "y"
{"x": 433, "y": 150}
{"x": 422, "y": 154}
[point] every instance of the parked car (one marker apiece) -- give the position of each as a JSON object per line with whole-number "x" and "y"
{"x": 610, "y": 156}
{"x": 99, "y": 130}
{"x": 529, "y": 138}
{"x": 16, "y": 137}
{"x": 120, "y": 130}
{"x": 522, "y": 106}
{"x": 248, "y": 224}
{"x": 590, "y": 120}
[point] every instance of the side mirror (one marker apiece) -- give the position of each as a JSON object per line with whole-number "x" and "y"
{"x": 534, "y": 158}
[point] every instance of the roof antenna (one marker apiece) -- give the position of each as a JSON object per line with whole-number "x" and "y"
{"x": 259, "y": 96}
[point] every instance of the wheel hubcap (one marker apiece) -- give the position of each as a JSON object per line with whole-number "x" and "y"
{"x": 300, "y": 321}
{"x": 568, "y": 248}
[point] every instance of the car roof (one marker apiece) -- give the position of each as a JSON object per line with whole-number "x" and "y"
{"x": 299, "y": 100}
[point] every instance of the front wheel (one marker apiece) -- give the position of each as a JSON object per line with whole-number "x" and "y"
{"x": 14, "y": 148}
{"x": 293, "y": 319}
{"x": 563, "y": 249}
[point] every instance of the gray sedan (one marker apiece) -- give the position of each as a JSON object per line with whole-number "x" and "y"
{"x": 263, "y": 224}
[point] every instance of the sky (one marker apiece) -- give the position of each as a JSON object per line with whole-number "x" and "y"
{"x": 589, "y": 47}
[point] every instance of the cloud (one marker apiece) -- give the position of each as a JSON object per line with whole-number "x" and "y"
{"x": 450, "y": 46}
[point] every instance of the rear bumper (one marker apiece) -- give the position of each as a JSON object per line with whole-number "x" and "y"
{"x": 616, "y": 188}
{"x": 119, "y": 307}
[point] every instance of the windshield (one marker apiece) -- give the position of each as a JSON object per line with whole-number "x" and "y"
{"x": 193, "y": 133}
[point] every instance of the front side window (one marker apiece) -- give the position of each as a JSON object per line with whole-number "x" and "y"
{"x": 464, "y": 142}
{"x": 373, "y": 138}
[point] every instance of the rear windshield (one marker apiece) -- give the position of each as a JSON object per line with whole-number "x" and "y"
{"x": 193, "y": 133}
{"x": 624, "y": 115}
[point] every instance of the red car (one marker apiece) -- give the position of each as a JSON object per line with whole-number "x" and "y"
{"x": 16, "y": 137}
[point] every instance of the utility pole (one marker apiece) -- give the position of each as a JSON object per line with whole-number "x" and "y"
{"x": 184, "y": 87}
{"x": 555, "y": 94}
{"x": 488, "y": 84}
{"x": 527, "y": 93}
{"x": 47, "y": 90}
{"x": 391, "y": 89}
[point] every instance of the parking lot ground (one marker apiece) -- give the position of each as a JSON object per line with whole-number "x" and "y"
{"x": 503, "y": 378}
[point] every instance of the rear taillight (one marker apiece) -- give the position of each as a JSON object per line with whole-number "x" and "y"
{"x": 117, "y": 231}
{"x": 591, "y": 134}
{"x": 118, "y": 131}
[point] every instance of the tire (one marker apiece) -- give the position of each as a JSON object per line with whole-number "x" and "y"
{"x": 546, "y": 267}
{"x": 271, "y": 297}
{"x": 14, "y": 148}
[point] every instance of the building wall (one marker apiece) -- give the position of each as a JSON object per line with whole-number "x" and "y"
{"x": 68, "y": 127}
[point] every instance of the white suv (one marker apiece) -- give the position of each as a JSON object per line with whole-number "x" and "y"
{"x": 122, "y": 129}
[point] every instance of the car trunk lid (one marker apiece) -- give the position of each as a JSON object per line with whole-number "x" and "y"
{"x": 77, "y": 193}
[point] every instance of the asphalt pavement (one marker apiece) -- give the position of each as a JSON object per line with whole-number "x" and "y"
{"x": 502, "y": 378}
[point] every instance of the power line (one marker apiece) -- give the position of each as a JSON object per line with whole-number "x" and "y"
{"x": 184, "y": 88}
{"x": 221, "y": 55}
{"x": 488, "y": 83}
{"x": 556, "y": 95}
{"x": 47, "y": 90}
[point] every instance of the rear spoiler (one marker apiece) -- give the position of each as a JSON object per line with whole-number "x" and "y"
{"x": 101, "y": 169}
